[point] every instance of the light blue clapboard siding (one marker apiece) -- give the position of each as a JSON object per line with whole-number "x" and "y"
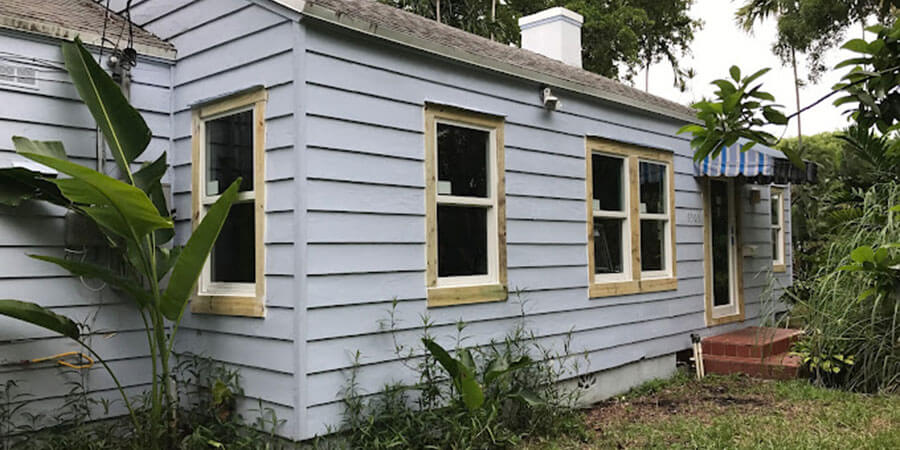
{"x": 225, "y": 46}
{"x": 53, "y": 111}
{"x": 366, "y": 222}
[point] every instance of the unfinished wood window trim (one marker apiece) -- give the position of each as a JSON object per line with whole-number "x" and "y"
{"x": 493, "y": 287}
{"x": 779, "y": 264}
{"x": 231, "y": 299}
{"x": 707, "y": 259}
{"x": 636, "y": 281}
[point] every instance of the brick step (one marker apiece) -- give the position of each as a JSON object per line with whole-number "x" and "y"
{"x": 751, "y": 342}
{"x": 782, "y": 366}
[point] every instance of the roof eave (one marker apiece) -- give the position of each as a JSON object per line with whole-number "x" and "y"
{"x": 346, "y": 21}
{"x": 68, "y": 34}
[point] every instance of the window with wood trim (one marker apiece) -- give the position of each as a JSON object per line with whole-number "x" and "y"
{"x": 228, "y": 141}
{"x": 776, "y": 202}
{"x": 630, "y": 206}
{"x": 465, "y": 213}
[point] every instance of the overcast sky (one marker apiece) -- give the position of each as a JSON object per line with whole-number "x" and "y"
{"x": 721, "y": 44}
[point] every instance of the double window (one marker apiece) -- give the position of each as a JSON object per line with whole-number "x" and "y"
{"x": 776, "y": 201}
{"x": 228, "y": 143}
{"x": 631, "y": 235}
{"x": 465, "y": 219}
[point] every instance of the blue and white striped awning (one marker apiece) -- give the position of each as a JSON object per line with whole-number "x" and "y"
{"x": 732, "y": 162}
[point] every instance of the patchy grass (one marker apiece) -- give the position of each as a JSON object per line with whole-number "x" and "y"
{"x": 738, "y": 412}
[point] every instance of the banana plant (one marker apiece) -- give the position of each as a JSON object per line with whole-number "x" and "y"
{"x": 462, "y": 371}
{"x": 137, "y": 226}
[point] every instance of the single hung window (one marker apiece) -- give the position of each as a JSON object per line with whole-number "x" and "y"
{"x": 630, "y": 219}
{"x": 654, "y": 216}
{"x": 228, "y": 145}
{"x": 466, "y": 223}
{"x": 611, "y": 230}
{"x": 776, "y": 202}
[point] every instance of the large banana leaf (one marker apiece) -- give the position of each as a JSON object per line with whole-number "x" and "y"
{"x": 148, "y": 179}
{"x": 18, "y": 184}
{"x": 81, "y": 269}
{"x": 463, "y": 376}
{"x": 193, "y": 256}
{"x": 123, "y": 127}
{"x": 42, "y": 317}
{"x": 119, "y": 207}
{"x": 54, "y": 149}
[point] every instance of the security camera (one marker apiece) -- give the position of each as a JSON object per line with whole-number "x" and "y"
{"x": 551, "y": 102}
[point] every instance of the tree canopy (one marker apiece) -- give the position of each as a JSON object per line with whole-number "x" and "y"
{"x": 812, "y": 27}
{"x": 620, "y": 36}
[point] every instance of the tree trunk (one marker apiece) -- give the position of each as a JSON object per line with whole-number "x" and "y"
{"x": 797, "y": 94}
{"x": 647, "y": 77}
{"x": 493, "y": 17}
{"x": 437, "y": 12}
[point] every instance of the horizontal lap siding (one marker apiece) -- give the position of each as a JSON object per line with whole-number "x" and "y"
{"x": 53, "y": 111}
{"x": 225, "y": 46}
{"x": 366, "y": 221}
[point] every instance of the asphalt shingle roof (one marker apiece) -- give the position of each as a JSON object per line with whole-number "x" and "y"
{"x": 381, "y": 15}
{"x": 65, "y": 19}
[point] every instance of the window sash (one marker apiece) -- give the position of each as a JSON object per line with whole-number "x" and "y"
{"x": 623, "y": 215}
{"x": 206, "y": 286}
{"x": 489, "y": 203}
{"x": 777, "y": 197}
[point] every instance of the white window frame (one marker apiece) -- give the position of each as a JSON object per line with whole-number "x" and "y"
{"x": 448, "y": 291}
{"x": 666, "y": 272}
{"x": 626, "y": 274}
{"x": 238, "y": 299}
{"x": 778, "y": 260}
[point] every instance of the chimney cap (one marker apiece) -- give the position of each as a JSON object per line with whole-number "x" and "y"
{"x": 547, "y": 15}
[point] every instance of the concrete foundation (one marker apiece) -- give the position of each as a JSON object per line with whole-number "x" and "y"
{"x": 598, "y": 386}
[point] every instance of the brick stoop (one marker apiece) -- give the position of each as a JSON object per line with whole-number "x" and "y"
{"x": 755, "y": 351}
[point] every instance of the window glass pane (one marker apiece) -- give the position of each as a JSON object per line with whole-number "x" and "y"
{"x": 775, "y": 203}
{"x": 462, "y": 161}
{"x": 653, "y": 239}
{"x": 653, "y": 188}
{"x": 775, "y": 252}
{"x": 608, "y": 245}
{"x": 719, "y": 233}
{"x": 233, "y": 258}
{"x": 606, "y": 172}
{"x": 229, "y": 152}
{"x": 462, "y": 241}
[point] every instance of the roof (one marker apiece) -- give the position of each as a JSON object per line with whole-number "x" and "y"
{"x": 66, "y": 19}
{"x": 388, "y": 22}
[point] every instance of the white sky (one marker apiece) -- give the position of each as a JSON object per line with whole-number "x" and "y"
{"x": 721, "y": 44}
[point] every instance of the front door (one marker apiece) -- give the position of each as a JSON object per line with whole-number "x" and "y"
{"x": 722, "y": 252}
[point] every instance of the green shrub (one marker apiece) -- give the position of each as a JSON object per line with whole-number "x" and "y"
{"x": 491, "y": 396}
{"x": 851, "y": 310}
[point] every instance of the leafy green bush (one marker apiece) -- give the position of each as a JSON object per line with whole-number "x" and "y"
{"x": 491, "y": 396}
{"x": 852, "y": 310}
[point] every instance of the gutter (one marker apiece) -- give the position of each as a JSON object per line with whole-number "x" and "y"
{"x": 346, "y": 21}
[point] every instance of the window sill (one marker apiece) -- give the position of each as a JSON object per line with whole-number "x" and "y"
{"x": 632, "y": 287}
{"x": 779, "y": 268}
{"x": 464, "y": 295}
{"x": 228, "y": 306}
{"x": 715, "y": 321}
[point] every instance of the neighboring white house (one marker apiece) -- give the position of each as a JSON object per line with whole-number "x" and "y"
{"x": 393, "y": 159}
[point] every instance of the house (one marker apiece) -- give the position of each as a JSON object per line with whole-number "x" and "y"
{"x": 392, "y": 158}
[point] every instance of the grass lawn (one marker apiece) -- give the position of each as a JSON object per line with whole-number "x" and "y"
{"x": 738, "y": 412}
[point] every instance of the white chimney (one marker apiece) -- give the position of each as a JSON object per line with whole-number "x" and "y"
{"x": 555, "y": 33}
